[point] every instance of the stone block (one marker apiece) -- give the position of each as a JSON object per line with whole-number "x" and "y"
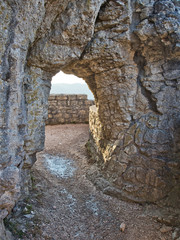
{"x": 62, "y": 102}
{"x": 82, "y": 96}
{"x": 52, "y": 97}
{"x": 72, "y": 97}
{"x": 61, "y": 97}
{"x": 74, "y": 102}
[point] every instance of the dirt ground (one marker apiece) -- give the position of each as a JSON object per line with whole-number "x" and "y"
{"x": 65, "y": 205}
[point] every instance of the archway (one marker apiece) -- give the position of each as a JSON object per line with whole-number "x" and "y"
{"x": 69, "y": 100}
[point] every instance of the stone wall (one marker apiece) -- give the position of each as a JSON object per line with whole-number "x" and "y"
{"x": 68, "y": 109}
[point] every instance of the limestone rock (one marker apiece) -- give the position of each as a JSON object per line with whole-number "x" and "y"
{"x": 165, "y": 229}
{"x": 128, "y": 52}
{"x": 122, "y": 227}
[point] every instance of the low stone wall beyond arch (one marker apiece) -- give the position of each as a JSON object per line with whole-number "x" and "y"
{"x": 68, "y": 109}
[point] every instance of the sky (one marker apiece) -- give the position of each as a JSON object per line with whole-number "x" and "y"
{"x": 66, "y": 78}
{"x": 69, "y": 84}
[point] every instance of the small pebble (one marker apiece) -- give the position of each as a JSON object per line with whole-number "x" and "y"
{"x": 122, "y": 227}
{"x": 165, "y": 229}
{"x": 176, "y": 234}
{"x": 29, "y": 216}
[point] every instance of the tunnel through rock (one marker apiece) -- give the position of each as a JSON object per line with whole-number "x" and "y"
{"x": 128, "y": 54}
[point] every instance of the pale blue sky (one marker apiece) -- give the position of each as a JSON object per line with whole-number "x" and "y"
{"x": 66, "y": 78}
{"x": 69, "y": 84}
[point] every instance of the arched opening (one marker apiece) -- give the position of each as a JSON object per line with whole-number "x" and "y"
{"x": 69, "y": 84}
{"x": 69, "y": 100}
{"x": 68, "y": 120}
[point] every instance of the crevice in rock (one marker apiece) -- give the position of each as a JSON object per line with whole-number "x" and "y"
{"x": 86, "y": 48}
{"x": 141, "y": 63}
{"x": 8, "y": 93}
{"x": 135, "y": 17}
{"x": 6, "y": 59}
{"x": 91, "y": 82}
{"x": 102, "y": 8}
{"x": 94, "y": 34}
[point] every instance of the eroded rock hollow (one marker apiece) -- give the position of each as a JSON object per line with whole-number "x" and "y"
{"x": 128, "y": 52}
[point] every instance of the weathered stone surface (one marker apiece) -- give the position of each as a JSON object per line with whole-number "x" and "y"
{"x": 128, "y": 52}
{"x": 5, "y": 234}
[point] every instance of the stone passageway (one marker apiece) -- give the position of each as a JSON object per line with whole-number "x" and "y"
{"x": 64, "y": 204}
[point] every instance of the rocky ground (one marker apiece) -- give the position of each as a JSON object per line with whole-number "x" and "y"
{"x": 64, "y": 205}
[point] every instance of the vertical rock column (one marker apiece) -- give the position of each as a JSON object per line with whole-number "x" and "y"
{"x": 135, "y": 128}
{"x": 18, "y": 27}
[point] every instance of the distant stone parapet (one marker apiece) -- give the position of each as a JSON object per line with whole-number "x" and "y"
{"x": 68, "y": 109}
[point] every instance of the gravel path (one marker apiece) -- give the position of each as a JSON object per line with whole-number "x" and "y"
{"x": 66, "y": 206}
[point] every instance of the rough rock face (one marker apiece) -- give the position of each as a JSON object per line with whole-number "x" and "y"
{"x": 129, "y": 54}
